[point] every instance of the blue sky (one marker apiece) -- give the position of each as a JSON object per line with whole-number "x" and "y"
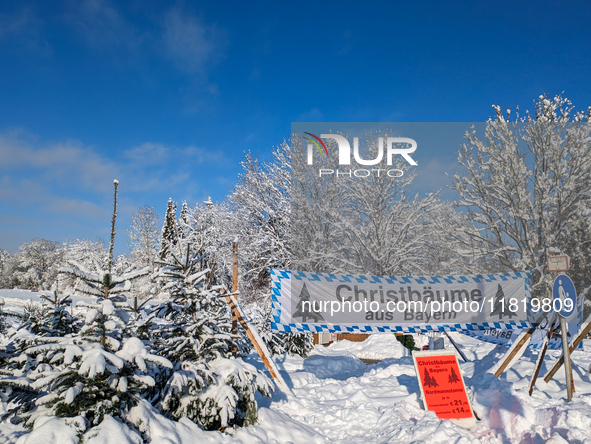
{"x": 167, "y": 96}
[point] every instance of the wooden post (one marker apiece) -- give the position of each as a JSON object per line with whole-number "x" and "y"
{"x": 514, "y": 350}
{"x": 574, "y": 344}
{"x": 568, "y": 369}
{"x": 234, "y": 289}
{"x": 257, "y": 343}
{"x": 541, "y": 359}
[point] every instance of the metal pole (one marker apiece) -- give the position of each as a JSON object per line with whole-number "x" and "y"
{"x": 565, "y": 350}
{"x": 567, "y": 363}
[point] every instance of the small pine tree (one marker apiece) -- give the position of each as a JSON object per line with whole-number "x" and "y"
{"x": 206, "y": 386}
{"x": 54, "y": 318}
{"x": 184, "y": 227}
{"x": 98, "y": 380}
{"x": 104, "y": 283}
{"x": 3, "y": 323}
{"x": 95, "y": 374}
{"x": 200, "y": 321}
{"x": 168, "y": 237}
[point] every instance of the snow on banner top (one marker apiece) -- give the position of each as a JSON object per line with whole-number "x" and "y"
{"x": 319, "y": 302}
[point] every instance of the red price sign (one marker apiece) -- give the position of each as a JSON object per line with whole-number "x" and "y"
{"x": 442, "y": 386}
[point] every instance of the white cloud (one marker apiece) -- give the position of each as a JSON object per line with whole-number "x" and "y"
{"x": 152, "y": 154}
{"x": 63, "y": 161}
{"x": 26, "y": 194}
{"x": 312, "y": 115}
{"x": 192, "y": 44}
{"x": 148, "y": 154}
{"x": 102, "y": 25}
{"x": 23, "y": 29}
{"x": 68, "y": 187}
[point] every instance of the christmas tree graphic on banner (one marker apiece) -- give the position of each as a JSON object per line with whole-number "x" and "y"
{"x": 501, "y": 307}
{"x": 306, "y": 311}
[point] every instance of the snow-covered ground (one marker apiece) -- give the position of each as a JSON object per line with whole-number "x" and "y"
{"x": 336, "y": 398}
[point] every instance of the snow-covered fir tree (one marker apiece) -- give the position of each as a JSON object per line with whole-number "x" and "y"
{"x": 95, "y": 374}
{"x": 55, "y": 318}
{"x": 207, "y": 386}
{"x": 184, "y": 226}
{"x": 200, "y": 321}
{"x": 169, "y": 235}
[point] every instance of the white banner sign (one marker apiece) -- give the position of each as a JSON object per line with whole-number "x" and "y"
{"x": 320, "y": 302}
{"x": 506, "y": 337}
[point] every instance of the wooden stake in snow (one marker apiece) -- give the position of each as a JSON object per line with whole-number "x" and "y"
{"x": 258, "y": 343}
{"x": 541, "y": 358}
{"x": 514, "y": 352}
{"x": 585, "y": 329}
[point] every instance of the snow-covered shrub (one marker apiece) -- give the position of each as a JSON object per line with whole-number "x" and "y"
{"x": 408, "y": 341}
{"x": 199, "y": 317}
{"x": 3, "y": 323}
{"x": 53, "y": 318}
{"x": 206, "y": 386}
{"x": 32, "y": 349}
{"x": 217, "y": 394}
{"x": 299, "y": 344}
{"x": 92, "y": 375}
{"x": 296, "y": 344}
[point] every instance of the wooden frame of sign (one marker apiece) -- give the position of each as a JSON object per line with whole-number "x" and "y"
{"x": 448, "y": 397}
